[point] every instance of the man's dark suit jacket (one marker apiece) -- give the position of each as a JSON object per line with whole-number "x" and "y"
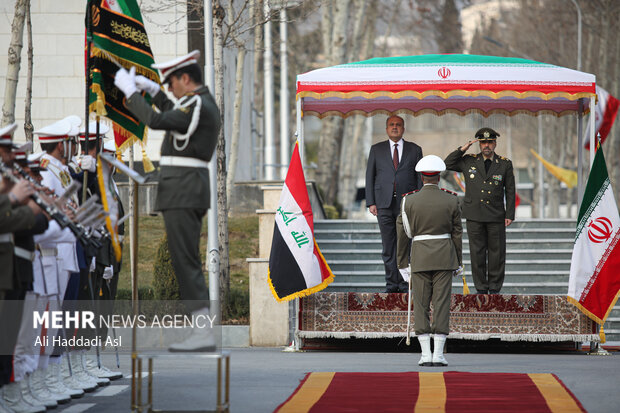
{"x": 380, "y": 173}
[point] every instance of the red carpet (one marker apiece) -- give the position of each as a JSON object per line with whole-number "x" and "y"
{"x": 450, "y": 391}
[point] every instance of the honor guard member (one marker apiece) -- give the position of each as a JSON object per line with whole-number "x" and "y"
{"x": 54, "y": 141}
{"x": 16, "y": 214}
{"x": 489, "y": 178}
{"x": 192, "y": 125}
{"x": 431, "y": 219}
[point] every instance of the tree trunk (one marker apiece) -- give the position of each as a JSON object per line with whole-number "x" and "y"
{"x": 331, "y": 137}
{"x": 257, "y": 107}
{"x": 28, "y": 128}
{"x": 222, "y": 205}
{"x": 234, "y": 135}
{"x": 14, "y": 60}
{"x": 326, "y": 25}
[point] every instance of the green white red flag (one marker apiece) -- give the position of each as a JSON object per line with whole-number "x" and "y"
{"x": 296, "y": 266}
{"x": 118, "y": 38}
{"x": 594, "y": 282}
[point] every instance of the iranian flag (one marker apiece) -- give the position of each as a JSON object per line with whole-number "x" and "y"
{"x": 296, "y": 266}
{"x": 594, "y": 283}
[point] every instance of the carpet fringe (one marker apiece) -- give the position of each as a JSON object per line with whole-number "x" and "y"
{"x": 464, "y": 336}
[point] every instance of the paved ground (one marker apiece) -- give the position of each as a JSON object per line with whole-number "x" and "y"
{"x": 262, "y": 378}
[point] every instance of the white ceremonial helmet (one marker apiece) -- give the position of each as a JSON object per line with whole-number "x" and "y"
{"x": 167, "y": 68}
{"x": 430, "y": 165}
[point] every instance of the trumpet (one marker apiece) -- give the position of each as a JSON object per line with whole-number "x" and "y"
{"x": 51, "y": 209}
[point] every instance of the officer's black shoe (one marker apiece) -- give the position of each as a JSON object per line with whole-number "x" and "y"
{"x": 482, "y": 291}
{"x": 493, "y": 291}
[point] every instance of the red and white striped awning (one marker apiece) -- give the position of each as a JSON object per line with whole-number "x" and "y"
{"x": 442, "y": 84}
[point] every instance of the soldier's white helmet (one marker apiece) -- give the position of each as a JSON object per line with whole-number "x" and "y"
{"x": 430, "y": 165}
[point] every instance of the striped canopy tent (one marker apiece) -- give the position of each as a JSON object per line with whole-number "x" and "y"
{"x": 440, "y": 84}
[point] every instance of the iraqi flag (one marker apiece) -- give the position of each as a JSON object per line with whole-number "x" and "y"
{"x": 296, "y": 266}
{"x": 605, "y": 113}
{"x": 594, "y": 283}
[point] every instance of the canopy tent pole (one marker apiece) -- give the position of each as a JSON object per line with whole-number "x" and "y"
{"x": 592, "y": 130}
{"x": 299, "y": 132}
{"x": 580, "y": 187}
{"x": 541, "y": 182}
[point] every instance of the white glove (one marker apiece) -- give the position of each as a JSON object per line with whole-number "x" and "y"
{"x": 108, "y": 273}
{"x": 126, "y": 81}
{"x": 88, "y": 163}
{"x": 144, "y": 84}
{"x": 459, "y": 271}
{"x": 93, "y": 264}
{"x": 405, "y": 273}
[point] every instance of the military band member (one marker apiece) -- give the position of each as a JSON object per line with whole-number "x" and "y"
{"x": 192, "y": 125}
{"x": 489, "y": 178}
{"x": 431, "y": 219}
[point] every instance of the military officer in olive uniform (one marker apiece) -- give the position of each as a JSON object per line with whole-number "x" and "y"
{"x": 431, "y": 218}
{"x": 488, "y": 178}
{"x": 192, "y": 125}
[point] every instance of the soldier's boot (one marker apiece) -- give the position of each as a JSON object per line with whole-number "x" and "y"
{"x": 438, "y": 359}
{"x": 101, "y": 381}
{"x": 71, "y": 379}
{"x": 425, "y": 345}
{"x": 40, "y": 389}
{"x": 200, "y": 339}
{"x": 56, "y": 384}
{"x": 101, "y": 372}
{"x": 30, "y": 398}
{"x": 12, "y": 395}
{"x": 3, "y": 406}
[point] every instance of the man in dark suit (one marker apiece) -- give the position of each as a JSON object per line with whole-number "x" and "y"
{"x": 488, "y": 178}
{"x": 192, "y": 125}
{"x": 390, "y": 173}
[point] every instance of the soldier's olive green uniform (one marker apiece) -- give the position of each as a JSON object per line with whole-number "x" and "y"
{"x": 11, "y": 219}
{"x": 430, "y": 212}
{"x": 483, "y": 208}
{"x": 183, "y": 191}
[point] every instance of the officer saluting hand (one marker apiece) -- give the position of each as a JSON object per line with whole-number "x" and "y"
{"x": 488, "y": 178}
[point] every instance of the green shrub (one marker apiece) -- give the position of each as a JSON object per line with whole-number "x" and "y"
{"x": 144, "y": 293}
{"x": 331, "y": 212}
{"x": 237, "y": 309}
{"x": 164, "y": 279}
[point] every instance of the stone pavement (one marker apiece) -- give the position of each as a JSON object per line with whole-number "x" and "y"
{"x": 262, "y": 378}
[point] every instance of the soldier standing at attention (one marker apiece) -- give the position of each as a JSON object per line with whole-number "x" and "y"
{"x": 488, "y": 179}
{"x": 192, "y": 125}
{"x": 431, "y": 218}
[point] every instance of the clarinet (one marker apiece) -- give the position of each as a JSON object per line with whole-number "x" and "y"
{"x": 53, "y": 211}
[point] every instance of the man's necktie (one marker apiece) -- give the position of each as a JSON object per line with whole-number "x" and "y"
{"x": 487, "y": 165}
{"x": 395, "y": 157}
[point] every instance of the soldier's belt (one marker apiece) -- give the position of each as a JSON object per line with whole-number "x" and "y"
{"x": 23, "y": 253}
{"x": 48, "y": 252}
{"x": 183, "y": 161}
{"x": 427, "y": 237}
{"x": 8, "y": 237}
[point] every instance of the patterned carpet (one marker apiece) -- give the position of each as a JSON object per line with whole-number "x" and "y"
{"x": 431, "y": 392}
{"x": 475, "y": 317}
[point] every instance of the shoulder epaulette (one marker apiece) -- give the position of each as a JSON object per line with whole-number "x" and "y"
{"x": 502, "y": 158}
{"x": 409, "y": 193}
{"x": 471, "y": 154}
{"x": 448, "y": 191}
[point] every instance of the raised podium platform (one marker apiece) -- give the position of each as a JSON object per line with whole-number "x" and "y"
{"x": 508, "y": 317}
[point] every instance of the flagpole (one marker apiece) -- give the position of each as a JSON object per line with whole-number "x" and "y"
{"x": 213, "y": 250}
{"x": 89, "y": 41}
